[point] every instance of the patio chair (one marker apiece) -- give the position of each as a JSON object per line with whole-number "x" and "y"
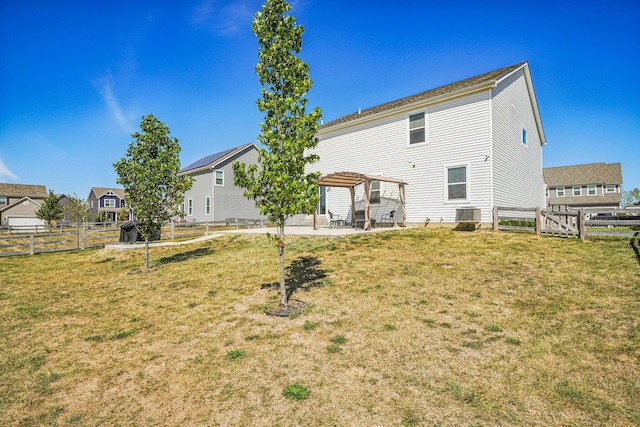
{"x": 335, "y": 220}
{"x": 389, "y": 217}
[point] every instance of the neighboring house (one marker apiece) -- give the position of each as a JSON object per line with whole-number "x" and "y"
{"x": 20, "y": 202}
{"x": 213, "y": 196}
{"x": 108, "y": 200}
{"x": 474, "y": 143}
{"x": 595, "y": 185}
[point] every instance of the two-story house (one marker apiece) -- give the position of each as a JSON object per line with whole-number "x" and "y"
{"x": 213, "y": 196}
{"x": 475, "y": 143}
{"x": 107, "y": 200}
{"x": 595, "y": 185}
{"x": 20, "y": 202}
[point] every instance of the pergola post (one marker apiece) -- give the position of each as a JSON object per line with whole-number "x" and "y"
{"x": 352, "y": 190}
{"x": 403, "y": 205}
{"x": 367, "y": 204}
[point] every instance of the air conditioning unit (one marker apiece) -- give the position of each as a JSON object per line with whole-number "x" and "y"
{"x": 468, "y": 215}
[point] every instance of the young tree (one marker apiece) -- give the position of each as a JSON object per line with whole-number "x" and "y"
{"x": 280, "y": 187}
{"x": 77, "y": 211}
{"x": 51, "y": 209}
{"x": 149, "y": 175}
{"x": 629, "y": 197}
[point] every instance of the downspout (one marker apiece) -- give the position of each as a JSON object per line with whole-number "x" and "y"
{"x": 213, "y": 195}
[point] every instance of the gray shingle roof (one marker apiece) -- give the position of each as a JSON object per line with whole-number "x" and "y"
{"x": 593, "y": 173}
{"x": 22, "y": 190}
{"x": 491, "y": 76}
{"x": 100, "y": 191}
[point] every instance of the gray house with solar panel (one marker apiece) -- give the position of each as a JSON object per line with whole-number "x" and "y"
{"x": 213, "y": 196}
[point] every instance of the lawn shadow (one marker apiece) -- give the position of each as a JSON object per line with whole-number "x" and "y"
{"x": 302, "y": 274}
{"x": 635, "y": 245}
{"x": 183, "y": 256}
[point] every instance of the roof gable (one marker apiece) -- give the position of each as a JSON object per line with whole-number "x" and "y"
{"x": 474, "y": 83}
{"x": 210, "y": 161}
{"x": 21, "y": 190}
{"x": 17, "y": 202}
{"x": 102, "y": 191}
{"x": 593, "y": 173}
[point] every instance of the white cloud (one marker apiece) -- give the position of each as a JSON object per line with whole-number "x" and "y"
{"x": 227, "y": 18}
{"x": 5, "y": 173}
{"x": 104, "y": 86}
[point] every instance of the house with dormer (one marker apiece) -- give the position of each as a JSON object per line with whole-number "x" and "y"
{"x": 473, "y": 144}
{"x": 107, "y": 200}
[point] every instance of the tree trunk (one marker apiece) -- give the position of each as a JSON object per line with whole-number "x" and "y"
{"x": 146, "y": 253}
{"x": 283, "y": 285}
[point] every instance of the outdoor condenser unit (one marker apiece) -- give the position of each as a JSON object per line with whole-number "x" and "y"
{"x": 468, "y": 215}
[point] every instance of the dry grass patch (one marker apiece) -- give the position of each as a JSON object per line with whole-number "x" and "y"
{"x": 412, "y": 327}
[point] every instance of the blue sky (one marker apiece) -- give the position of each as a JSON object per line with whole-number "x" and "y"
{"x": 77, "y": 76}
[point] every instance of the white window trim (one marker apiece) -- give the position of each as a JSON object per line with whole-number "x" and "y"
{"x": 105, "y": 205}
{"x": 610, "y": 185}
{"x": 207, "y": 205}
{"x": 215, "y": 177}
{"x": 564, "y": 191}
{"x": 595, "y": 190}
{"x": 189, "y": 207}
{"x": 446, "y": 183}
{"x": 573, "y": 190}
{"x": 524, "y": 135}
{"x": 426, "y": 128}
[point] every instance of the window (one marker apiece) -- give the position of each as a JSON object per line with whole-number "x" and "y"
{"x": 546, "y": 191}
{"x": 91, "y": 203}
{"x": 190, "y": 207}
{"x": 457, "y": 183}
{"x": 611, "y": 188}
{"x": 3, "y": 200}
{"x": 560, "y": 192}
{"x": 181, "y": 208}
{"x": 591, "y": 190}
{"x": 207, "y": 205}
{"x": 417, "y": 128}
{"x": 219, "y": 177}
{"x": 577, "y": 190}
{"x": 524, "y": 137}
{"x": 109, "y": 203}
{"x": 375, "y": 192}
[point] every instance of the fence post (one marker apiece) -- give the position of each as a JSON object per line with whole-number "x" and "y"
{"x": 581, "y": 225}
{"x": 206, "y": 229}
{"x": 538, "y": 222}
{"x": 173, "y": 230}
{"x": 32, "y": 244}
{"x": 82, "y": 243}
{"x": 495, "y": 218}
{"x": 237, "y": 224}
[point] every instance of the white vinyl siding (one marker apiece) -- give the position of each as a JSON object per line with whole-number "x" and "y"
{"x": 517, "y": 169}
{"x": 457, "y": 132}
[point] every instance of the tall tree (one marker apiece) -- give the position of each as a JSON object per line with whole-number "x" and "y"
{"x": 149, "y": 175}
{"x": 51, "y": 209}
{"x": 280, "y": 187}
{"x": 77, "y": 210}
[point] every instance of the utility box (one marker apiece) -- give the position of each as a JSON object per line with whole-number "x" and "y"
{"x": 468, "y": 216}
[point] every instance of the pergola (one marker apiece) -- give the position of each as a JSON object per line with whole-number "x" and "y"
{"x": 351, "y": 179}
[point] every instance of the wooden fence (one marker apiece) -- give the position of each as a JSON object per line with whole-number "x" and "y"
{"x": 45, "y": 239}
{"x": 581, "y": 223}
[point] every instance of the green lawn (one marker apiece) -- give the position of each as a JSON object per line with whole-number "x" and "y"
{"x": 418, "y": 327}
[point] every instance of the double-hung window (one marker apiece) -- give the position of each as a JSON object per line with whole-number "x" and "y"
{"x": 417, "y": 128}
{"x": 611, "y": 188}
{"x": 591, "y": 190}
{"x": 375, "y": 192}
{"x": 190, "y": 207}
{"x": 560, "y": 192}
{"x": 3, "y": 200}
{"x": 219, "y": 178}
{"x": 577, "y": 190}
{"x": 207, "y": 205}
{"x": 457, "y": 182}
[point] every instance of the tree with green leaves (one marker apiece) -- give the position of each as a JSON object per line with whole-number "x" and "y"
{"x": 77, "y": 210}
{"x": 149, "y": 175}
{"x": 51, "y": 209}
{"x": 629, "y": 197}
{"x": 281, "y": 187}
